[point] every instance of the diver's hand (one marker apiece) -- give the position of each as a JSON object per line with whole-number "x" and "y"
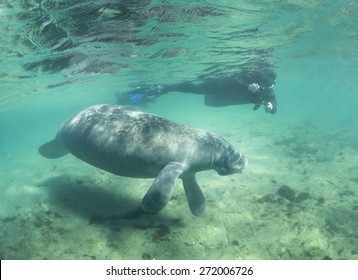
{"x": 268, "y": 107}
{"x": 253, "y": 88}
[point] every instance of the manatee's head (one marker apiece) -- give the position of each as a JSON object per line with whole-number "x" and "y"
{"x": 235, "y": 162}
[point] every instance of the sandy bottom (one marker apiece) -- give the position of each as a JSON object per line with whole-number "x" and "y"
{"x": 297, "y": 199}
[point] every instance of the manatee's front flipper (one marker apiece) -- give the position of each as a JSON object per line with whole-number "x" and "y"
{"x": 194, "y": 195}
{"x": 53, "y": 149}
{"x": 161, "y": 190}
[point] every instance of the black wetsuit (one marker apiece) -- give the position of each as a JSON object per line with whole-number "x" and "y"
{"x": 232, "y": 90}
{"x": 218, "y": 92}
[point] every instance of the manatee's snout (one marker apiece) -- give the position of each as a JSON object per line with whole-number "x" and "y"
{"x": 235, "y": 163}
{"x": 240, "y": 163}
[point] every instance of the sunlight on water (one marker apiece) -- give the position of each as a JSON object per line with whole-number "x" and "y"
{"x": 295, "y": 200}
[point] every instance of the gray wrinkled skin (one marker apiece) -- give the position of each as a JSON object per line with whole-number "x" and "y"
{"x": 132, "y": 143}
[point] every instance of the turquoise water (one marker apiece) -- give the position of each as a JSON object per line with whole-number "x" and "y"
{"x": 58, "y": 57}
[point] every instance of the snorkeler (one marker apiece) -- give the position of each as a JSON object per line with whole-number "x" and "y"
{"x": 255, "y": 87}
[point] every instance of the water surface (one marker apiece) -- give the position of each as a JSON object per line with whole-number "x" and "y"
{"x": 58, "y": 57}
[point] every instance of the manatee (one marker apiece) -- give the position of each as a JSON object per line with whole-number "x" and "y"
{"x": 131, "y": 143}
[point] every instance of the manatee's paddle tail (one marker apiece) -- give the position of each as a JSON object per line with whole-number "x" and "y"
{"x": 194, "y": 195}
{"x": 53, "y": 149}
